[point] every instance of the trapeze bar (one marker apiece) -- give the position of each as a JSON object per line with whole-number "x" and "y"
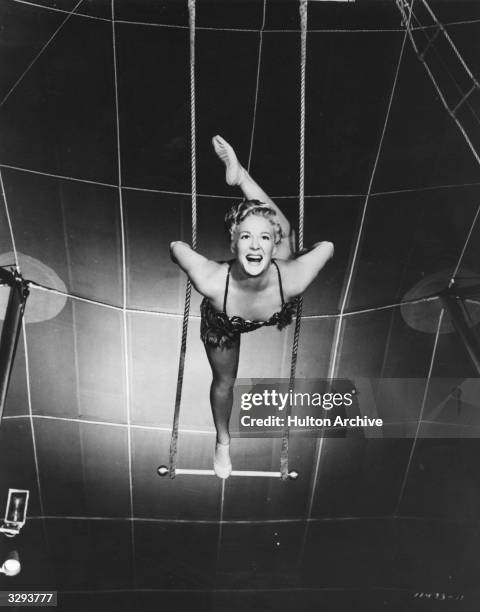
{"x": 292, "y": 475}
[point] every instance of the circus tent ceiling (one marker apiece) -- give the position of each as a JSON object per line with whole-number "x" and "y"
{"x": 95, "y": 162}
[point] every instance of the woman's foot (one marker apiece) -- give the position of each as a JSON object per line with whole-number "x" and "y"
{"x": 221, "y": 460}
{"x": 234, "y": 171}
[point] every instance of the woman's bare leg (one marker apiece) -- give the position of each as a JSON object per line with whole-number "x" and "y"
{"x": 237, "y": 175}
{"x": 224, "y": 364}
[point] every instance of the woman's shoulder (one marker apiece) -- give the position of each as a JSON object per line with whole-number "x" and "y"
{"x": 288, "y": 277}
{"x": 213, "y": 282}
{"x": 299, "y": 273}
{"x": 284, "y": 267}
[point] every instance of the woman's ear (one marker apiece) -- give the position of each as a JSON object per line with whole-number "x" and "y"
{"x": 232, "y": 247}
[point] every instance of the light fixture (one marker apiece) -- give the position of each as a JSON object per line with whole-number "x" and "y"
{"x": 16, "y": 512}
{"x": 11, "y": 566}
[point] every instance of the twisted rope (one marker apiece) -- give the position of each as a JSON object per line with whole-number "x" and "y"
{"x": 193, "y": 135}
{"x": 303, "y": 69}
{"x": 188, "y": 292}
{"x": 301, "y": 217}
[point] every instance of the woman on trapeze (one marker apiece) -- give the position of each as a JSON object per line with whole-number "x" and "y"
{"x": 255, "y": 289}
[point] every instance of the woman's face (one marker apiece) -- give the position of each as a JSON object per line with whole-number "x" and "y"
{"x": 254, "y": 244}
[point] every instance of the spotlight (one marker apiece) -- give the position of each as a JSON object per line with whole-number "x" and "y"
{"x": 16, "y": 512}
{"x": 11, "y": 566}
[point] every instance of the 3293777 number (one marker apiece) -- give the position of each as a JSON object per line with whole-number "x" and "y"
{"x": 28, "y": 598}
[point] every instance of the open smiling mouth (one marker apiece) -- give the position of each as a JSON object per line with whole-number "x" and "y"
{"x": 254, "y": 259}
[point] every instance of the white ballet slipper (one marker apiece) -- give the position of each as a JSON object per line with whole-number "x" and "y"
{"x": 221, "y": 460}
{"x": 233, "y": 168}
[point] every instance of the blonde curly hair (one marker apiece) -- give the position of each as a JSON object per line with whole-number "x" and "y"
{"x": 239, "y": 212}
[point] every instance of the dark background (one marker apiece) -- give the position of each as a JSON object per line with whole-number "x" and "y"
{"x": 94, "y": 157}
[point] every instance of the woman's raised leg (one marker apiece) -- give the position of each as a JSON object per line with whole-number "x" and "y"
{"x": 236, "y": 175}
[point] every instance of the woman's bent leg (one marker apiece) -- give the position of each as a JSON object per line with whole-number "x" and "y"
{"x": 237, "y": 175}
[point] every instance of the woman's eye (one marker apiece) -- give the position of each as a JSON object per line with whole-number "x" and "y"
{"x": 266, "y": 237}
{"x": 243, "y": 236}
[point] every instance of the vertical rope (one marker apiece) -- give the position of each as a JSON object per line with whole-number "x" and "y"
{"x": 123, "y": 236}
{"x": 303, "y": 69}
{"x": 257, "y": 85}
{"x": 301, "y": 218}
{"x": 188, "y": 293}
{"x": 193, "y": 136}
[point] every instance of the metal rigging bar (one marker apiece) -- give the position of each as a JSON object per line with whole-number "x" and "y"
{"x": 11, "y": 328}
{"x": 406, "y": 9}
{"x": 429, "y": 44}
{"x": 454, "y": 304}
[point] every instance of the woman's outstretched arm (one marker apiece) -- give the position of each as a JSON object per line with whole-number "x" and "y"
{"x": 300, "y": 272}
{"x": 200, "y": 270}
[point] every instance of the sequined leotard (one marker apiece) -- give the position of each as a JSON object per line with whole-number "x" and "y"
{"x": 217, "y": 329}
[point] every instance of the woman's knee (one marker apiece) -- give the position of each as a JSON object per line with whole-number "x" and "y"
{"x": 223, "y": 384}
